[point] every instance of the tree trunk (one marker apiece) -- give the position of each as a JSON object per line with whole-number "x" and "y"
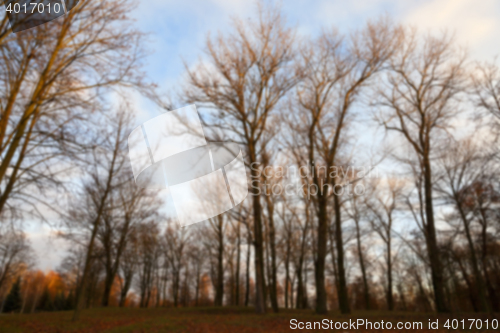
{"x": 390, "y": 299}
{"x": 83, "y": 282}
{"x": 472, "y": 296}
{"x": 422, "y": 292}
{"x": 366, "y": 291}
{"x": 430, "y": 233}
{"x": 260, "y": 302}
{"x": 232, "y": 279}
{"x": 219, "y": 290}
{"x": 300, "y": 287}
{"x": 287, "y": 270}
{"x": 494, "y": 300}
{"x": 126, "y": 286}
{"x": 273, "y": 288}
{"x": 158, "y": 285}
{"x": 319, "y": 267}
{"x": 334, "y": 260}
{"x": 402, "y": 296}
{"x": 95, "y": 224}
{"x": 175, "y": 287}
{"x": 483, "y": 302}
{"x": 247, "y": 271}
{"x": 305, "y": 297}
{"x": 112, "y": 270}
{"x": 197, "y": 292}
{"x": 238, "y": 256}
{"x": 342, "y": 284}
{"x": 108, "y": 283}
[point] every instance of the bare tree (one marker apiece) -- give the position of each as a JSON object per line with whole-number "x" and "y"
{"x": 130, "y": 206}
{"x": 128, "y": 266}
{"x": 149, "y": 253}
{"x": 288, "y": 216}
{"x": 462, "y": 168}
{"x": 418, "y": 100}
{"x": 336, "y": 70}
{"x": 357, "y": 213}
{"x": 52, "y": 78}
{"x": 250, "y": 72}
{"x": 249, "y": 238}
{"x": 176, "y": 240}
{"x": 218, "y": 230}
{"x": 270, "y": 180}
{"x": 104, "y": 165}
{"x": 15, "y": 252}
{"x": 382, "y": 207}
{"x": 198, "y": 259}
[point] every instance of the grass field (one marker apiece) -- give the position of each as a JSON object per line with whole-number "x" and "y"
{"x": 117, "y": 320}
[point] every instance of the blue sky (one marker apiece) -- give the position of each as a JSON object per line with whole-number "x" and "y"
{"x": 178, "y": 30}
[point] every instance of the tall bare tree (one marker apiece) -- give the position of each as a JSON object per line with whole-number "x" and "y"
{"x": 250, "y": 72}
{"x": 382, "y": 208}
{"x": 52, "y": 79}
{"x": 176, "y": 243}
{"x": 462, "y": 168}
{"x": 418, "y": 101}
{"x": 218, "y": 230}
{"x": 356, "y": 213}
{"x": 149, "y": 255}
{"x": 336, "y": 70}
{"x": 104, "y": 163}
{"x": 128, "y": 267}
{"x": 130, "y": 206}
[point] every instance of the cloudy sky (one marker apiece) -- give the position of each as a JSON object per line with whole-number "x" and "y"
{"x": 178, "y": 30}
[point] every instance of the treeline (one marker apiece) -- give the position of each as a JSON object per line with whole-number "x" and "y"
{"x": 36, "y": 291}
{"x": 409, "y": 221}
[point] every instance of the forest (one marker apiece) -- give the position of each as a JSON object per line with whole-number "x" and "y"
{"x": 372, "y": 161}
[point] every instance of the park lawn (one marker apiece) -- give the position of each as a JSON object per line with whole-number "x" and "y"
{"x": 227, "y": 319}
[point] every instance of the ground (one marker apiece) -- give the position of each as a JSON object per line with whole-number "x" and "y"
{"x": 118, "y": 320}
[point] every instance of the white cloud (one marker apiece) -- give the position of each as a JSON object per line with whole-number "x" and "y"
{"x": 475, "y": 23}
{"x": 48, "y": 248}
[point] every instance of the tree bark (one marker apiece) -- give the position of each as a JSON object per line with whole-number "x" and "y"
{"x": 342, "y": 284}
{"x": 126, "y": 287}
{"x": 219, "y": 290}
{"x": 390, "y": 296}
{"x": 430, "y": 233}
{"x": 238, "y": 256}
{"x": 366, "y": 291}
{"x": 247, "y": 271}
{"x": 272, "y": 243}
{"x": 287, "y": 269}
{"x": 483, "y": 302}
{"x": 260, "y": 301}
{"x": 319, "y": 267}
{"x": 111, "y": 271}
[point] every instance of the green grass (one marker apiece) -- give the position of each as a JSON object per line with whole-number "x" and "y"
{"x": 125, "y": 320}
